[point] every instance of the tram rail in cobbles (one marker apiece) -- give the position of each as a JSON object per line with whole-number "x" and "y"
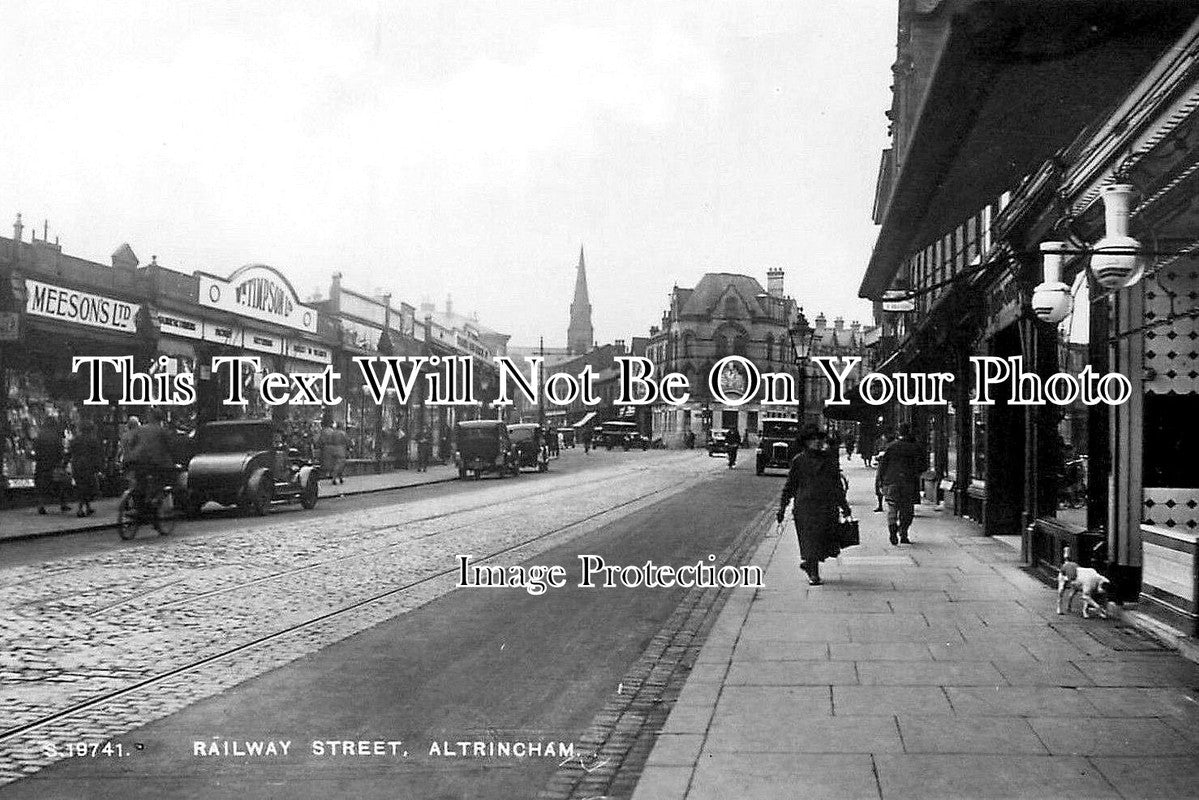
{"x": 302, "y": 634}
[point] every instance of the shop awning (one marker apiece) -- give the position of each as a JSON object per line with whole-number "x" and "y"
{"x": 858, "y": 409}
{"x": 585, "y": 420}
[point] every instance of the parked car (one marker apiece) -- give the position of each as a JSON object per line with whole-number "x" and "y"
{"x": 717, "y": 443}
{"x": 622, "y": 434}
{"x": 776, "y": 444}
{"x": 484, "y": 446}
{"x": 242, "y": 463}
{"x": 531, "y": 449}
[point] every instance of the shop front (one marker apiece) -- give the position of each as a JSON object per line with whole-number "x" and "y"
{"x": 57, "y": 323}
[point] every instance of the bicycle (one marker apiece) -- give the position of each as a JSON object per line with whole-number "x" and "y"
{"x": 159, "y": 509}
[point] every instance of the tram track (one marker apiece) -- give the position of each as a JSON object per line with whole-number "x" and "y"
{"x": 375, "y": 551}
{"x": 291, "y": 630}
{"x": 475, "y": 507}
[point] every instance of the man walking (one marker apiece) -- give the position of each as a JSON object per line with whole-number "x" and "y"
{"x": 732, "y": 443}
{"x": 899, "y": 468}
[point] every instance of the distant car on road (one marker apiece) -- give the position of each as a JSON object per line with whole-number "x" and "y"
{"x": 484, "y": 446}
{"x": 240, "y": 462}
{"x": 776, "y": 444}
{"x": 531, "y": 449}
{"x": 622, "y": 434}
{"x": 718, "y": 443}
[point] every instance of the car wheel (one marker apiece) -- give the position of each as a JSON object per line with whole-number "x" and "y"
{"x": 310, "y": 493}
{"x": 260, "y": 493}
{"x": 166, "y": 516}
{"x": 127, "y": 522}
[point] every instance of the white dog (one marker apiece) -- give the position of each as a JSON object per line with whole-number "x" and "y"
{"x": 1091, "y": 584}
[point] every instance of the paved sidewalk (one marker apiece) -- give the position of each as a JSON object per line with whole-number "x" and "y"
{"x": 938, "y": 669}
{"x": 22, "y": 523}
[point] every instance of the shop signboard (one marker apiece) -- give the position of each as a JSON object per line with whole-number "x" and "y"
{"x": 80, "y": 308}
{"x": 258, "y": 292}
{"x": 308, "y": 351}
{"x": 229, "y": 335}
{"x": 262, "y": 342}
{"x": 180, "y": 325}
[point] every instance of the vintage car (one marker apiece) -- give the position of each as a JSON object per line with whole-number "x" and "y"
{"x": 567, "y": 437}
{"x": 621, "y": 434}
{"x": 484, "y": 446}
{"x": 776, "y": 444}
{"x": 531, "y": 449}
{"x": 241, "y": 462}
{"x": 717, "y": 443}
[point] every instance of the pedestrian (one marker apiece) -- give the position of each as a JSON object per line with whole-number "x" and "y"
{"x": 881, "y": 443}
{"x": 834, "y": 442}
{"x": 551, "y": 441}
{"x": 333, "y": 441}
{"x": 732, "y": 443}
{"x": 424, "y": 450}
{"x": 814, "y": 484}
{"x": 586, "y": 436}
{"x": 899, "y": 469}
{"x": 689, "y": 439}
{"x": 130, "y": 424}
{"x": 865, "y": 443}
{"x": 50, "y": 476}
{"x": 848, "y": 447}
{"x": 87, "y": 461}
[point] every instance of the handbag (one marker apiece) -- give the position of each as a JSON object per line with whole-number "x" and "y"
{"x": 847, "y": 532}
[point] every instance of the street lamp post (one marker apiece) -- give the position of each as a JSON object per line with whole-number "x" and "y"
{"x": 801, "y": 335}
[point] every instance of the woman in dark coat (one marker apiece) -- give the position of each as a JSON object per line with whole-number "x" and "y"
{"x": 49, "y": 471}
{"x": 87, "y": 460}
{"x": 814, "y": 483}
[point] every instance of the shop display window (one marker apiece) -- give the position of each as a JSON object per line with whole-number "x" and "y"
{"x": 1069, "y": 448}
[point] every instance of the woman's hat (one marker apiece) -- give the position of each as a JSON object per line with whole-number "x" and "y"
{"x": 810, "y": 432}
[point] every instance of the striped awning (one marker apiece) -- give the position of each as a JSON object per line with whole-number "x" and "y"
{"x": 585, "y": 420}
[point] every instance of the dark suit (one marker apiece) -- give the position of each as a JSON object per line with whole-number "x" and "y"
{"x": 899, "y": 470}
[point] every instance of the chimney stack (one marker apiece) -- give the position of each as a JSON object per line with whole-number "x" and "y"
{"x": 839, "y": 324}
{"x": 821, "y": 322}
{"x": 620, "y": 346}
{"x": 774, "y": 282}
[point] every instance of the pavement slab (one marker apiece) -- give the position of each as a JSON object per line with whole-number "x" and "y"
{"x": 1151, "y": 778}
{"x": 956, "y": 776}
{"x": 771, "y": 776}
{"x": 968, "y": 684}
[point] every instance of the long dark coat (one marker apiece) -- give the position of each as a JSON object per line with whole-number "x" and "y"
{"x": 814, "y": 483}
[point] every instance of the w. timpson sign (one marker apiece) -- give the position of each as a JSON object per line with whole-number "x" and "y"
{"x": 259, "y": 292}
{"x": 82, "y": 308}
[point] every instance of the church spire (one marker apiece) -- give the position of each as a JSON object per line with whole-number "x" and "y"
{"x": 580, "y": 335}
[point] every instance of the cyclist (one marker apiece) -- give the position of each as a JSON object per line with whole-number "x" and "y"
{"x": 732, "y": 442}
{"x": 147, "y": 458}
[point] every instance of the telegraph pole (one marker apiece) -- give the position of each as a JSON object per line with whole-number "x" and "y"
{"x": 540, "y": 382}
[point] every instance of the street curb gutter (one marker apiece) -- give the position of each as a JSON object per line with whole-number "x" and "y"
{"x": 1187, "y": 646}
{"x": 111, "y": 525}
{"x": 624, "y": 732}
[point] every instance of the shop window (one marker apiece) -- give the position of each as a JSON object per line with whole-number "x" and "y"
{"x": 1069, "y": 448}
{"x": 978, "y": 443}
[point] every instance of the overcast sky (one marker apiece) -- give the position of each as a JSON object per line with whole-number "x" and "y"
{"x": 463, "y": 148}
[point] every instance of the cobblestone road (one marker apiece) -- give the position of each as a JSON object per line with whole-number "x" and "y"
{"x": 75, "y": 629}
